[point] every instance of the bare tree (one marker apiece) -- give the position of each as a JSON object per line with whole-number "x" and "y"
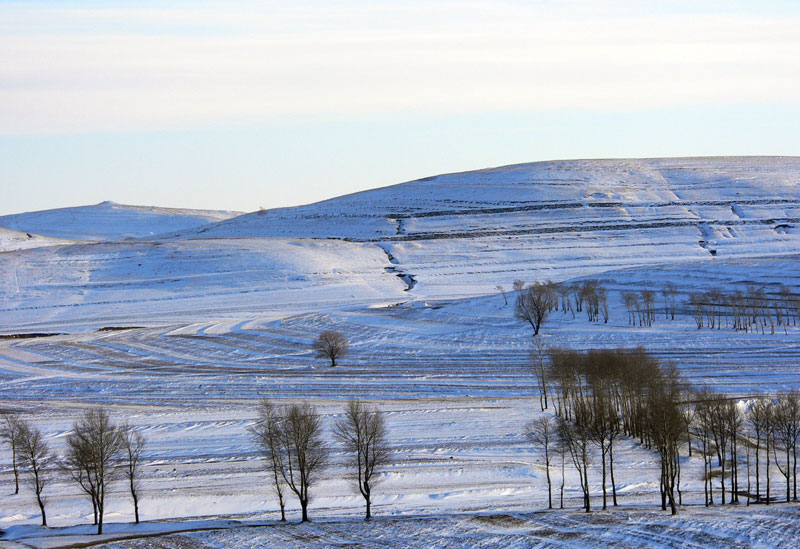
{"x": 304, "y": 450}
{"x": 363, "y": 433}
{"x": 577, "y": 436}
{"x": 35, "y": 458}
{"x": 10, "y": 432}
{"x": 502, "y": 290}
{"x": 538, "y": 355}
{"x": 331, "y": 345}
{"x": 758, "y": 419}
{"x": 91, "y": 448}
{"x": 267, "y": 434}
{"x": 133, "y": 442}
{"x": 666, "y": 425}
{"x": 543, "y": 432}
{"x": 786, "y": 425}
{"x": 533, "y": 305}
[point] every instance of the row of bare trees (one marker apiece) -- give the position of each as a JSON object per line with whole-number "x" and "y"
{"x": 290, "y": 438}
{"x": 750, "y": 310}
{"x": 602, "y": 395}
{"x": 97, "y": 453}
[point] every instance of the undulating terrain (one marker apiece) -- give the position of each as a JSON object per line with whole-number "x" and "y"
{"x": 180, "y": 321}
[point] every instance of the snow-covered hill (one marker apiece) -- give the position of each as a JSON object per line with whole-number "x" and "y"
{"x": 450, "y": 236}
{"x": 464, "y": 233}
{"x": 110, "y": 221}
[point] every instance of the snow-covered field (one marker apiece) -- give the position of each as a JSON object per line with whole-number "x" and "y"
{"x": 210, "y": 317}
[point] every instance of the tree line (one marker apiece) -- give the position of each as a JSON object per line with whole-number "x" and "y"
{"x": 97, "y": 453}
{"x": 599, "y": 396}
{"x": 289, "y": 437}
{"x": 748, "y": 310}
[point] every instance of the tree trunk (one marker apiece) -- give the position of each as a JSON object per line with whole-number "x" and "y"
{"x": 369, "y": 509}
{"x": 605, "y": 506}
{"x": 611, "y": 466}
{"x": 304, "y": 507}
{"x": 587, "y": 501}
{"x": 16, "y": 470}
{"x": 794, "y": 470}
{"x": 549, "y": 487}
{"x": 758, "y": 486}
{"x": 766, "y": 446}
{"x": 41, "y": 508}
{"x": 722, "y": 478}
{"x": 136, "y": 507}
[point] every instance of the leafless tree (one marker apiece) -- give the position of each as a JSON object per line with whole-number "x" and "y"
{"x": 267, "y": 435}
{"x": 363, "y": 433}
{"x": 10, "y": 432}
{"x": 534, "y": 304}
{"x": 759, "y": 419}
{"x": 133, "y": 443}
{"x": 538, "y": 355}
{"x": 36, "y": 459}
{"x": 603, "y": 430}
{"x": 91, "y": 449}
{"x": 331, "y": 345}
{"x": 502, "y": 290}
{"x": 577, "y": 435}
{"x": 543, "y": 432}
{"x": 562, "y": 449}
{"x": 665, "y": 421}
{"x": 305, "y": 452}
{"x": 648, "y": 299}
{"x": 669, "y": 292}
{"x": 787, "y": 429}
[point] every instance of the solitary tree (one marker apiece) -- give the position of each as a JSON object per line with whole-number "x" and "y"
{"x": 133, "y": 442}
{"x": 10, "y": 433}
{"x": 267, "y": 434}
{"x": 331, "y": 345}
{"x": 362, "y": 430}
{"x": 543, "y": 432}
{"x": 305, "y": 451}
{"x": 91, "y": 448}
{"x": 534, "y": 303}
{"x": 35, "y": 458}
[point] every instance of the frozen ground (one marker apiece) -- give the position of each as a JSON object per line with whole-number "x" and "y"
{"x": 207, "y": 320}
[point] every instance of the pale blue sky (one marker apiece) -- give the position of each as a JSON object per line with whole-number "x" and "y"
{"x": 237, "y": 105}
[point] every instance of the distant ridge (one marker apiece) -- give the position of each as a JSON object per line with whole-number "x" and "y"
{"x": 110, "y": 221}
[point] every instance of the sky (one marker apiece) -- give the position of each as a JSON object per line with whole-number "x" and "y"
{"x": 239, "y": 105}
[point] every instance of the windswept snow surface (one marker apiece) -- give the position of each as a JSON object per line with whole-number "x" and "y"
{"x": 200, "y": 324}
{"x": 110, "y": 221}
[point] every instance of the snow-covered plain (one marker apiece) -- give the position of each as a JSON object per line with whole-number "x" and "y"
{"x": 210, "y": 318}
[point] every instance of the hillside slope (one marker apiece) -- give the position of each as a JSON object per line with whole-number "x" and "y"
{"x": 450, "y": 236}
{"x": 462, "y": 234}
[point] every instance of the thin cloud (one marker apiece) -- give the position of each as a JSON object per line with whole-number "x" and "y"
{"x": 100, "y": 69}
